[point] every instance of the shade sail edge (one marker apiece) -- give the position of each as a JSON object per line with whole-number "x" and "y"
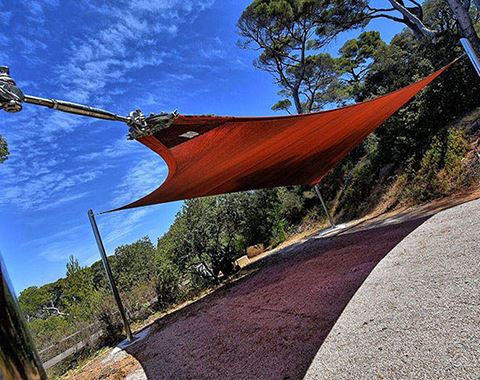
{"x": 249, "y": 153}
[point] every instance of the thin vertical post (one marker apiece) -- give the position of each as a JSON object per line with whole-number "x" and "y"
{"x": 108, "y": 271}
{"x": 317, "y": 190}
{"x": 18, "y": 356}
{"x": 471, "y": 54}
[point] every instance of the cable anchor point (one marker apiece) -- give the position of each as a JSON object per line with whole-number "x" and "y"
{"x": 11, "y": 97}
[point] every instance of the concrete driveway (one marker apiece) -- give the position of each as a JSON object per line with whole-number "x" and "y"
{"x": 417, "y": 315}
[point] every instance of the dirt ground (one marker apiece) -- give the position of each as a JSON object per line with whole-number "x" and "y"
{"x": 271, "y": 323}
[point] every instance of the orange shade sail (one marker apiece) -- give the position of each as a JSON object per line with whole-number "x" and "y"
{"x": 210, "y": 155}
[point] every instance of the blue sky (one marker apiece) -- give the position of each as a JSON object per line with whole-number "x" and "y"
{"x": 122, "y": 55}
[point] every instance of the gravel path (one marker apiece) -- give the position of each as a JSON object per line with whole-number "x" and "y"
{"x": 269, "y": 325}
{"x": 417, "y": 315}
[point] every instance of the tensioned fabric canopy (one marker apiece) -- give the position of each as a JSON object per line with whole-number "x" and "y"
{"x": 211, "y": 155}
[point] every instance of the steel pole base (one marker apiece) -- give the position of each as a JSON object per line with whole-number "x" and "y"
{"x": 332, "y": 231}
{"x": 319, "y": 195}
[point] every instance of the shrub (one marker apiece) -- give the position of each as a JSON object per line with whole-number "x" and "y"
{"x": 167, "y": 285}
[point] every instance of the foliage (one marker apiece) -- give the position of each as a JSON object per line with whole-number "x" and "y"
{"x": 167, "y": 284}
{"x": 50, "y": 330}
{"x": 3, "y": 149}
{"x": 291, "y": 207}
{"x": 261, "y": 216}
{"x": 206, "y": 237}
{"x": 288, "y": 33}
{"x": 443, "y": 166}
{"x": 33, "y": 301}
{"x": 134, "y": 263}
{"x": 357, "y": 56}
{"x": 79, "y": 295}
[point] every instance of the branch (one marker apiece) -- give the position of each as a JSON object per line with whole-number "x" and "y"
{"x": 393, "y": 18}
{"x": 380, "y": 9}
{"x": 426, "y": 32}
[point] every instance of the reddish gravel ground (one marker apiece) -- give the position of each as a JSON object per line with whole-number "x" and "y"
{"x": 270, "y": 324}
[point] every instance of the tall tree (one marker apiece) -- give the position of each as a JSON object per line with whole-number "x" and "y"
{"x": 356, "y": 59}
{"x": 460, "y": 9}
{"x": 79, "y": 294}
{"x": 206, "y": 236}
{"x": 33, "y": 300}
{"x": 318, "y": 82}
{"x": 289, "y": 33}
{"x": 73, "y": 266}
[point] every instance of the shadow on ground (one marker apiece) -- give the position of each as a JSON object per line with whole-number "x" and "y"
{"x": 269, "y": 325}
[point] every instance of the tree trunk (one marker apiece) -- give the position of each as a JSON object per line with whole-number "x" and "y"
{"x": 465, "y": 24}
{"x": 413, "y": 22}
{"x": 296, "y": 100}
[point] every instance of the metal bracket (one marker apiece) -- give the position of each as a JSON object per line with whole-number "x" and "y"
{"x": 141, "y": 126}
{"x": 11, "y": 97}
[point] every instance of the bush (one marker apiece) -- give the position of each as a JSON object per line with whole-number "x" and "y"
{"x": 279, "y": 233}
{"x": 443, "y": 168}
{"x": 292, "y": 204}
{"x": 454, "y": 175}
{"x": 49, "y": 330}
{"x": 167, "y": 285}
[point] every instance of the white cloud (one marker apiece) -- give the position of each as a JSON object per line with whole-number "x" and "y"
{"x": 38, "y": 185}
{"x": 35, "y": 9}
{"x": 120, "y": 148}
{"x": 119, "y": 225}
{"x": 5, "y": 17}
{"x": 63, "y": 200}
{"x": 59, "y": 251}
{"x": 143, "y": 178}
{"x": 181, "y": 77}
{"x": 110, "y": 54}
{"x": 45, "y": 240}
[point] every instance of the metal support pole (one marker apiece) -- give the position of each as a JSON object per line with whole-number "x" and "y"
{"x": 108, "y": 271}
{"x": 18, "y": 356}
{"x": 75, "y": 108}
{"x": 317, "y": 190}
{"x": 471, "y": 54}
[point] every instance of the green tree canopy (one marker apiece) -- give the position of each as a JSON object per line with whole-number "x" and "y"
{"x": 3, "y": 149}
{"x": 32, "y": 300}
{"x": 287, "y": 33}
{"x": 79, "y": 295}
{"x": 356, "y": 59}
{"x": 207, "y": 235}
{"x": 134, "y": 263}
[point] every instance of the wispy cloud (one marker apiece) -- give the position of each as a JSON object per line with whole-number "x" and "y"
{"x": 119, "y": 226}
{"x": 140, "y": 180}
{"x": 120, "y": 148}
{"x": 41, "y": 187}
{"x": 111, "y": 53}
{"x": 62, "y": 233}
{"x": 35, "y": 9}
{"x": 59, "y": 251}
{"x": 43, "y": 171}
